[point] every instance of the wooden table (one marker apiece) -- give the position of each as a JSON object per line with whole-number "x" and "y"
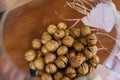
{"x": 28, "y": 22}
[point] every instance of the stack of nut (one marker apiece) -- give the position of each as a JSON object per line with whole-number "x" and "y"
{"x": 63, "y": 54}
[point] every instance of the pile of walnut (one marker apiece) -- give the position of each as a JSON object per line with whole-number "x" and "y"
{"x": 63, "y": 54}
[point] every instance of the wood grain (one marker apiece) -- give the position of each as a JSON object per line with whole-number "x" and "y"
{"x": 30, "y": 21}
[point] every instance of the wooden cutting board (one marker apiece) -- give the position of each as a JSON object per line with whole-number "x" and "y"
{"x": 31, "y": 20}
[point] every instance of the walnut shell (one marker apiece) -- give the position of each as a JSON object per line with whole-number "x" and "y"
{"x": 65, "y": 78}
{"x": 76, "y": 61}
{"x": 39, "y": 63}
{"x": 44, "y": 50}
{"x": 83, "y": 41}
{"x": 50, "y": 57}
{"x": 85, "y": 31}
{"x": 78, "y": 46}
{"x": 93, "y": 49}
{"x": 95, "y": 60}
{"x": 59, "y": 34}
{"x": 62, "y": 50}
{"x": 58, "y": 75}
{"x": 30, "y": 55}
{"x": 52, "y": 45}
{"x": 75, "y": 32}
{"x": 52, "y": 29}
{"x": 61, "y": 61}
{"x": 45, "y": 38}
{"x": 62, "y": 26}
{"x": 39, "y": 72}
{"x": 68, "y": 41}
{"x": 83, "y": 69}
{"x": 71, "y": 54}
{"x": 88, "y": 53}
{"x": 46, "y": 76}
{"x": 92, "y": 39}
{"x": 92, "y": 69}
{"x": 51, "y": 68}
{"x": 71, "y": 72}
{"x": 36, "y": 44}
{"x": 32, "y": 66}
{"x": 82, "y": 56}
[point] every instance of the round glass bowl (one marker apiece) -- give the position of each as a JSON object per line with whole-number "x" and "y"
{"x": 27, "y": 22}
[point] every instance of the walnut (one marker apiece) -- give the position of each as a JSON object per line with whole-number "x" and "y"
{"x": 75, "y": 32}
{"x": 39, "y": 63}
{"x": 36, "y": 43}
{"x": 59, "y": 34}
{"x": 92, "y": 69}
{"x": 95, "y": 60}
{"x": 44, "y": 50}
{"x": 68, "y": 41}
{"x": 39, "y": 72}
{"x": 62, "y": 50}
{"x": 45, "y": 38}
{"x": 39, "y": 54}
{"x": 85, "y": 31}
{"x": 58, "y": 75}
{"x": 61, "y": 61}
{"x": 59, "y": 42}
{"x": 71, "y": 54}
{"x": 32, "y": 66}
{"x": 93, "y": 49}
{"x": 30, "y": 55}
{"x": 83, "y": 41}
{"x": 71, "y": 72}
{"x": 65, "y": 78}
{"x": 52, "y": 45}
{"x": 50, "y": 57}
{"x": 78, "y": 46}
{"x": 52, "y": 29}
{"x": 46, "y": 76}
{"x": 62, "y": 26}
{"x": 92, "y": 39}
{"x": 88, "y": 53}
{"x": 83, "y": 69}
{"x": 76, "y": 61}
{"x": 82, "y": 56}
{"x": 51, "y": 68}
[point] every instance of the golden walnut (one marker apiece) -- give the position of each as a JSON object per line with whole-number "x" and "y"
{"x": 65, "y": 78}
{"x": 71, "y": 54}
{"x": 62, "y": 26}
{"x": 68, "y": 41}
{"x": 46, "y": 76}
{"x": 61, "y": 61}
{"x": 78, "y": 46}
{"x": 44, "y": 50}
{"x": 32, "y": 65}
{"x": 50, "y": 57}
{"x": 95, "y": 60}
{"x": 92, "y": 39}
{"x": 85, "y": 31}
{"x": 39, "y": 63}
{"x": 92, "y": 69}
{"x": 52, "y": 29}
{"x": 58, "y": 75}
{"x": 76, "y": 61}
{"x": 83, "y": 69}
{"x": 30, "y": 55}
{"x": 59, "y": 34}
{"x": 36, "y": 43}
{"x": 75, "y": 32}
{"x": 83, "y": 41}
{"x": 52, "y": 45}
{"x": 71, "y": 72}
{"x": 62, "y": 50}
{"x": 51, "y": 68}
{"x": 45, "y": 38}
